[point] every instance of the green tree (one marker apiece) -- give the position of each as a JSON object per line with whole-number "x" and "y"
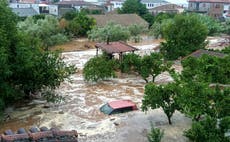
{"x": 146, "y": 66}
{"x": 152, "y": 65}
{"x": 209, "y": 130}
{"x": 111, "y": 32}
{"x": 81, "y": 24}
{"x": 130, "y": 62}
{"x": 133, "y": 6}
{"x": 8, "y": 41}
{"x": 99, "y": 68}
{"x": 183, "y": 36}
{"x": 195, "y": 101}
{"x": 25, "y": 67}
{"x": 136, "y": 31}
{"x": 213, "y": 26}
{"x": 163, "y": 96}
{"x": 46, "y": 30}
{"x": 207, "y": 69}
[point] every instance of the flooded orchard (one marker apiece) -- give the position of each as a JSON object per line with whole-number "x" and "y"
{"x": 80, "y": 108}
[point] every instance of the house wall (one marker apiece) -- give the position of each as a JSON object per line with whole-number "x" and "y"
{"x": 53, "y": 9}
{"x": 153, "y": 4}
{"x": 25, "y": 5}
{"x": 213, "y": 9}
{"x": 167, "y": 8}
{"x": 117, "y": 4}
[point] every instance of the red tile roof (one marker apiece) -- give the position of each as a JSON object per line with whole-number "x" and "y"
{"x": 122, "y": 104}
{"x": 115, "y": 47}
{"x": 210, "y": 1}
{"x": 200, "y": 52}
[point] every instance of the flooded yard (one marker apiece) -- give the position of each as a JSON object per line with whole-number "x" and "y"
{"x": 80, "y": 108}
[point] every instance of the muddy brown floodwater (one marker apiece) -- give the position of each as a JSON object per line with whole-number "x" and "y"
{"x": 80, "y": 109}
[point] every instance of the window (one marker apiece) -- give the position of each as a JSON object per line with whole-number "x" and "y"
{"x": 204, "y": 5}
{"x": 217, "y": 5}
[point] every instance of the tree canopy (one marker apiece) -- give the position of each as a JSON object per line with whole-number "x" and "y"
{"x": 99, "y": 68}
{"x": 163, "y": 96}
{"x": 133, "y": 6}
{"x": 183, "y": 36}
{"x": 148, "y": 66}
{"x": 111, "y": 32}
{"x": 25, "y": 67}
{"x": 47, "y": 30}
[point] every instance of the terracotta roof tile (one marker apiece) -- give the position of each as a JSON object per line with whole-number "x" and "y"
{"x": 115, "y": 47}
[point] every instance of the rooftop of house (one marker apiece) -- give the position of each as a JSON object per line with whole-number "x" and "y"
{"x": 210, "y": 1}
{"x": 200, "y": 52}
{"x": 24, "y": 12}
{"x": 115, "y": 47}
{"x": 39, "y": 134}
{"x": 168, "y": 6}
{"x": 122, "y": 19}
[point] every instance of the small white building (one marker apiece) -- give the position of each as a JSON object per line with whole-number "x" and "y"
{"x": 25, "y": 5}
{"x": 117, "y": 3}
{"x": 153, "y": 3}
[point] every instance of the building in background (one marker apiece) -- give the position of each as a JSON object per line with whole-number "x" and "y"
{"x": 153, "y": 3}
{"x": 167, "y": 8}
{"x": 214, "y": 8}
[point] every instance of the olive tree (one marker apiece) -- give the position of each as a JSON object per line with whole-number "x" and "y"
{"x": 108, "y": 33}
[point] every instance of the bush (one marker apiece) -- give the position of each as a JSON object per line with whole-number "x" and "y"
{"x": 207, "y": 130}
{"x": 99, "y": 68}
{"x": 155, "y": 134}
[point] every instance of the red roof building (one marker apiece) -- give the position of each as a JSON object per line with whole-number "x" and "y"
{"x": 115, "y": 47}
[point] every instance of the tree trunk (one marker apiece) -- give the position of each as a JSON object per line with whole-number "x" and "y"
{"x": 169, "y": 120}
{"x": 146, "y": 80}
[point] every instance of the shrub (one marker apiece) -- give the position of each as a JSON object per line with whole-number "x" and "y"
{"x": 155, "y": 134}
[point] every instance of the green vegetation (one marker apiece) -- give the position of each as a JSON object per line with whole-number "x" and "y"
{"x": 45, "y": 31}
{"x": 136, "y": 31}
{"x": 209, "y": 130}
{"x": 133, "y": 6}
{"x": 183, "y": 36}
{"x": 207, "y": 69}
{"x": 146, "y": 66}
{"x": 111, "y": 32}
{"x": 99, "y": 68}
{"x": 163, "y": 96}
{"x": 79, "y": 23}
{"x": 155, "y": 134}
{"x": 25, "y": 66}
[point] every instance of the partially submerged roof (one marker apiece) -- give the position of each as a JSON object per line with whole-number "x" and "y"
{"x": 24, "y": 12}
{"x": 115, "y": 47}
{"x": 122, "y": 104}
{"x": 122, "y": 19}
{"x": 200, "y": 52}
